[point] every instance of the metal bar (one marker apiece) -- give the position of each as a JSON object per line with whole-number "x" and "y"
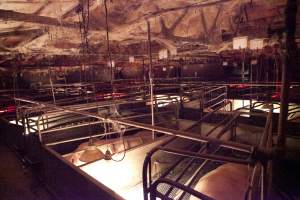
{"x": 204, "y": 156}
{"x": 69, "y": 127}
{"x": 215, "y": 89}
{"x": 87, "y": 137}
{"x": 180, "y": 186}
{"x": 193, "y": 178}
{"x": 256, "y": 170}
{"x": 144, "y": 115}
{"x": 146, "y": 166}
{"x": 265, "y": 135}
{"x": 94, "y": 105}
{"x": 150, "y": 77}
{"x": 207, "y": 116}
{"x": 184, "y": 170}
{"x": 39, "y": 130}
{"x": 217, "y": 126}
{"x": 177, "y": 133}
{"x": 211, "y": 107}
{"x": 175, "y": 164}
{"x": 228, "y": 125}
{"x": 216, "y": 98}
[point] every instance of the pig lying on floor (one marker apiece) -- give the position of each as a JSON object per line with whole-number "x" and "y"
{"x": 227, "y": 182}
{"x": 114, "y": 145}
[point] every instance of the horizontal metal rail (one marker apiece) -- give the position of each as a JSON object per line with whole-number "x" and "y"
{"x": 86, "y": 137}
{"x": 177, "y": 133}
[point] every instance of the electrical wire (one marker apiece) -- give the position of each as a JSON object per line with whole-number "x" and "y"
{"x": 84, "y": 21}
{"x": 122, "y": 131}
{"x": 108, "y": 44}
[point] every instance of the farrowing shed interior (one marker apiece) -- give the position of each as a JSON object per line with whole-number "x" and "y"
{"x": 149, "y": 99}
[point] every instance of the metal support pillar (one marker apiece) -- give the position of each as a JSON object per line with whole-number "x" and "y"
{"x": 289, "y": 63}
{"x": 150, "y": 77}
{"x": 107, "y": 43}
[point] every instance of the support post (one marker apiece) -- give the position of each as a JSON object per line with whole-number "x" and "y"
{"x": 108, "y": 45}
{"x": 150, "y": 77}
{"x": 51, "y": 84}
{"x": 289, "y": 63}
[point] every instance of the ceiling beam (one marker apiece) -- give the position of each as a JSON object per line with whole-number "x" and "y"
{"x": 33, "y": 18}
{"x": 194, "y": 5}
{"x": 23, "y": 32}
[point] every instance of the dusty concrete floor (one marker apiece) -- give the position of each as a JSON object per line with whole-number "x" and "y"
{"x": 16, "y": 181}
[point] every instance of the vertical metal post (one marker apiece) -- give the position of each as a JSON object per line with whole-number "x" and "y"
{"x": 150, "y": 77}
{"x": 269, "y": 164}
{"x": 202, "y": 99}
{"x": 289, "y": 62}
{"x": 262, "y": 179}
{"x": 180, "y": 109}
{"x": 251, "y": 87}
{"x": 243, "y": 66}
{"x": 24, "y": 127}
{"x": 144, "y": 75}
{"x": 51, "y": 84}
{"x": 27, "y": 124}
{"x": 149, "y": 49}
{"x": 38, "y": 128}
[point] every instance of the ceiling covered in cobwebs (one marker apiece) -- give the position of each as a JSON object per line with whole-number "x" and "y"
{"x": 53, "y": 26}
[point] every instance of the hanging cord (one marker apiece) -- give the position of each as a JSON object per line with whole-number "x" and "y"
{"x": 91, "y": 142}
{"x": 109, "y": 54}
{"x": 108, "y": 44}
{"x": 102, "y": 136}
{"x": 84, "y": 21}
{"x": 122, "y": 131}
{"x": 110, "y": 57}
{"x": 105, "y": 134}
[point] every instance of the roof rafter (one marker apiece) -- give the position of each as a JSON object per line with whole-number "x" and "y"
{"x": 23, "y": 32}
{"x": 33, "y": 18}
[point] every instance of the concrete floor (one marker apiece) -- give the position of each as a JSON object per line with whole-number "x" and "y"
{"x": 18, "y": 182}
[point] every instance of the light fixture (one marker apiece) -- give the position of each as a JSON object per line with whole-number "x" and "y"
{"x": 91, "y": 153}
{"x": 108, "y": 155}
